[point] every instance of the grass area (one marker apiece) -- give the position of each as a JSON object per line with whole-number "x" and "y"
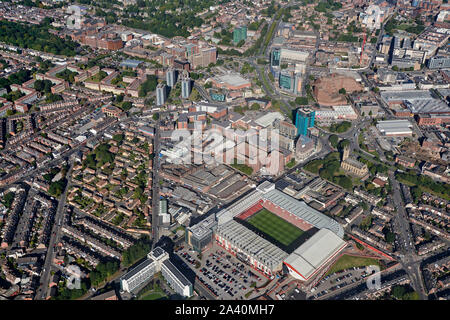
{"x": 314, "y": 166}
{"x": 347, "y": 261}
{"x": 424, "y": 189}
{"x": 274, "y": 226}
{"x": 271, "y": 30}
{"x": 98, "y": 77}
{"x": 266, "y": 83}
{"x": 157, "y": 295}
{"x": 242, "y": 167}
{"x": 249, "y": 293}
{"x": 290, "y": 164}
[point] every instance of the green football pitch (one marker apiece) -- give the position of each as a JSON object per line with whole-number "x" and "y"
{"x": 274, "y": 226}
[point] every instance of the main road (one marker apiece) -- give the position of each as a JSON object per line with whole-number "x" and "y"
{"x": 54, "y": 238}
{"x": 155, "y": 183}
{"x": 408, "y": 257}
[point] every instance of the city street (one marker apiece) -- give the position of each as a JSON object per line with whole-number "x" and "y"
{"x": 41, "y": 293}
{"x": 402, "y": 229}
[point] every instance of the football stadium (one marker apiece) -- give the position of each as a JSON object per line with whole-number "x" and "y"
{"x": 275, "y": 232}
{"x": 274, "y": 226}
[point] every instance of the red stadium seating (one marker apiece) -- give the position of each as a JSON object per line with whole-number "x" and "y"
{"x": 251, "y": 211}
{"x": 289, "y": 217}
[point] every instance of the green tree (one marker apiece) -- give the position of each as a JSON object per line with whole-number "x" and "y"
{"x": 118, "y": 137}
{"x": 301, "y": 100}
{"x": 148, "y": 85}
{"x": 127, "y": 105}
{"x": 119, "y": 98}
{"x": 333, "y": 139}
{"x": 240, "y": 43}
{"x": 343, "y": 144}
{"x": 364, "y": 205}
{"x": 345, "y": 182}
{"x": 8, "y": 199}
{"x": 255, "y": 106}
{"x": 136, "y": 252}
{"x": 57, "y": 187}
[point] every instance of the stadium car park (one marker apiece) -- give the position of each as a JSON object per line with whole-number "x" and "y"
{"x": 221, "y": 274}
{"x": 338, "y": 281}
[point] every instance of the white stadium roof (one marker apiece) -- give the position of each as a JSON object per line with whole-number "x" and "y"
{"x": 314, "y": 253}
{"x": 252, "y": 244}
{"x": 303, "y": 211}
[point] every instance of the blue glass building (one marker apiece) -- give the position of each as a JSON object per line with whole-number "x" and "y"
{"x": 304, "y": 119}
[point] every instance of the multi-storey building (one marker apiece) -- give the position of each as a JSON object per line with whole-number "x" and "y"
{"x": 161, "y": 94}
{"x": 157, "y": 260}
{"x": 439, "y": 62}
{"x": 140, "y": 275}
{"x": 171, "y": 77}
{"x": 304, "y": 119}
{"x": 185, "y": 85}
{"x": 204, "y": 57}
{"x": 291, "y": 81}
{"x": 179, "y": 283}
{"x": 275, "y": 58}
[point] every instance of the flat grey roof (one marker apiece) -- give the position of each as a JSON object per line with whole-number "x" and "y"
{"x": 394, "y": 126}
{"x": 405, "y": 95}
{"x": 204, "y": 227}
{"x": 136, "y": 270}
{"x": 157, "y": 252}
{"x": 177, "y": 273}
{"x": 130, "y": 63}
{"x": 232, "y": 79}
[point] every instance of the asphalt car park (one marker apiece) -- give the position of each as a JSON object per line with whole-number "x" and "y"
{"x": 337, "y": 281}
{"x": 223, "y": 275}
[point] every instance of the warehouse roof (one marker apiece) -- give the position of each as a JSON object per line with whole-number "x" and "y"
{"x": 130, "y": 63}
{"x": 268, "y": 119}
{"x": 406, "y": 95}
{"x": 394, "y": 126}
{"x": 427, "y": 106}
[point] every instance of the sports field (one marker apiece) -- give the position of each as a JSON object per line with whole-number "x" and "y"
{"x": 274, "y": 226}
